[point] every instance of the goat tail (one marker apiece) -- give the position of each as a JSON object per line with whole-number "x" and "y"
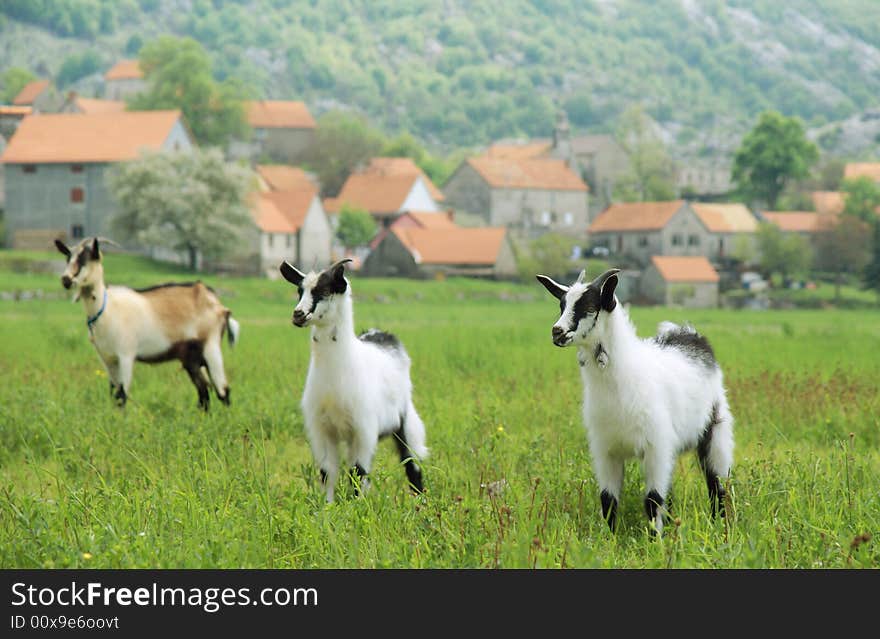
{"x": 232, "y": 328}
{"x": 414, "y": 432}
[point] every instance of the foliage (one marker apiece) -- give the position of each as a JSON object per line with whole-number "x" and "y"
{"x": 771, "y": 154}
{"x": 846, "y": 248}
{"x": 871, "y": 275}
{"x": 14, "y": 80}
{"x": 784, "y": 253}
{"x": 652, "y": 175}
{"x": 356, "y": 227}
{"x": 189, "y": 202}
{"x": 342, "y": 142}
{"x": 79, "y": 18}
{"x": 548, "y": 255}
{"x": 862, "y": 198}
{"x": 178, "y": 73}
{"x": 77, "y": 66}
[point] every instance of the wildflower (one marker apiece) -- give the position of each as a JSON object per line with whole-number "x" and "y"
{"x": 501, "y": 429}
{"x": 87, "y": 555}
{"x": 100, "y": 373}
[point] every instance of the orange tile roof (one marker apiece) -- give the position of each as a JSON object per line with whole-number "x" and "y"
{"x": 282, "y": 211}
{"x": 281, "y": 177}
{"x": 795, "y": 221}
{"x": 378, "y": 194}
{"x": 536, "y": 173}
{"x": 685, "y": 269}
{"x": 21, "y": 111}
{"x": 478, "y": 246}
{"x": 403, "y": 166}
{"x": 90, "y": 105}
{"x": 726, "y": 218}
{"x": 80, "y": 137}
{"x": 855, "y": 170}
{"x": 30, "y": 91}
{"x": 125, "y": 70}
{"x": 430, "y": 219}
{"x": 831, "y": 202}
{"x": 518, "y": 151}
{"x": 635, "y": 216}
{"x": 279, "y": 114}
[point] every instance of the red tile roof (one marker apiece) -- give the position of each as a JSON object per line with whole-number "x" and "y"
{"x": 635, "y": 216}
{"x": 30, "y": 91}
{"x": 376, "y": 194}
{"x": 80, "y": 137}
{"x": 685, "y": 269}
{"x": 854, "y": 170}
{"x": 476, "y": 246}
{"x": 90, "y": 105}
{"x": 535, "y": 173}
{"x": 403, "y": 166}
{"x": 19, "y": 111}
{"x": 125, "y": 70}
{"x": 831, "y": 202}
{"x": 282, "y": 211}
{"x": 725, "y": 218}
{"x": 281, "y": 177}
{"x": 278, "y": 114}
{"x": 795, "y": 221}
{"x": 518, "y": 151}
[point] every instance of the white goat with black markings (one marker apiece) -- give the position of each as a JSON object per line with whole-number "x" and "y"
{"x": 183, "y": 321}
{"x": 358, "y": 388}
{"x": 650, "y": 399}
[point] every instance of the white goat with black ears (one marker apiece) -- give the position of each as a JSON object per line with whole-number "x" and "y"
{"x": 358, "y": 388}
{"x": 651, "y": 399}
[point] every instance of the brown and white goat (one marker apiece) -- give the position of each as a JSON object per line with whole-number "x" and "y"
{"x": 183, "y": 321}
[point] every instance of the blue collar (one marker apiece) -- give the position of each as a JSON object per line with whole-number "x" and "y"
{"x": 90, "y": 322}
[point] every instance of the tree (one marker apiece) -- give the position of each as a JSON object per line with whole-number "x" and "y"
{"x": 775, "y": 151}
{"x": 871, "y": 275}
{"x": 14, "y": 79}
{"x": 178, "y": 73}
{"x": 845, "y": 248}
{"x": 782, "y": 253}
{"x": 652, "y": 174}
{"x": 862, "y": 198}
{"x": 405, "y": 145}
{"x": 342, "y": 142}
{"x": 356, "y": 227}
{"x": 193, "y": 202}
{"x": 77, "y": 66}
{"x": 548, "y": 255}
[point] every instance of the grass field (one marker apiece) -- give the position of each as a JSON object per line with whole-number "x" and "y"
{"x": 158, "y": 484}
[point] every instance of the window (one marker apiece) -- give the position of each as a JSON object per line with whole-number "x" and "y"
{"x": 76, "y": 231}
{"x": 76, "y": 168}
{"x": 693, "y": 240}
{"x": 677, "y": 240}
{"x": 545, "y": 218}
{"x": 643, "y": 240}
{"x": 29, "y": 168}
{"x": 77, "y": 195}
{"x": 568, "y": 219}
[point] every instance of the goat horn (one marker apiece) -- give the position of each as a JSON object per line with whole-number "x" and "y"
{"x": 599, "y": 282}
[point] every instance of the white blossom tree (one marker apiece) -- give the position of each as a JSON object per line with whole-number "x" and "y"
{"x": 195, "y": 202}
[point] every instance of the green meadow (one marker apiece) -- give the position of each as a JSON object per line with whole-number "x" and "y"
{"x": 509, "y": 481}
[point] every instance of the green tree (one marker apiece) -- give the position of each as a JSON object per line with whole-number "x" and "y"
{"x": 862, "y": 198}
{"x": 356, "y": 227}
{"x": 178, "y": 73}
{"x": 342, "y": 142}
{"x": 548, "y": 255}
{"x": 783, "y": 253}
{"x": 14, "y": 79}
{"x": 77, "y": 66}
{"x": 652, "y": 174}
{"x": 774, "y": 152}
{"x": 191, "y": 202}
{"x": 871, "y": 275}
{"x": 844, "y": 249}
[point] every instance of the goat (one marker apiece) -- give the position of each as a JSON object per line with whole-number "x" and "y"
{"x": 646, "y": 398}
{"x": 183, "y": 321}
{"x": 358, "y": 388}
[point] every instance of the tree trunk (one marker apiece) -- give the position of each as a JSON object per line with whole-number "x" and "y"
{"x": 193, "y": 257}
{"x": 837, "y": 287}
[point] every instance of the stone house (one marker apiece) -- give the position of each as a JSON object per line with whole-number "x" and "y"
{"x": 732, "y": 228}
{"x": 56, "y": 164}
{"x": 423, "y": 252}
{"x": 704, "y": 178}
{"x": 681, "y": 281}
{"x": 807, "y": 224}
{"x": 386, "y": 188}
{"x": 124, "y": 79}
{"x": 291, "y": 225}
{"x": 40, "y": 95}
{"x": 281, "y": 130}
{"x": 529, "y": 196}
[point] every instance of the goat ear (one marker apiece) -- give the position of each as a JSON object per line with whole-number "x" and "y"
{"x": 62, "y": 248}
{"x": 291, "y": 274}
{"x": 96, "y": 250}
{"x": 556, "y": 289}
{"x": 338, "y": 269}
{"x": 607, "y": 295}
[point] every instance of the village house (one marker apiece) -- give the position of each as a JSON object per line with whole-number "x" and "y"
{"x": 281, "y": 130}
{"x": 283, "y": 177}
{"x": 40, "y": 96}
{"x": 417, "y": 219}
{"x": 704, "y": 178}
{"x": 386, "y": 188}
{"x": 124, "y": 79}
{"x": 689, "y": 281}
{"x": 415, "y": 250}
{"x": 77, "y": 104}
{"x": 807, "y": 224}
{"x": 828, "y": 202}
{"x": 640, "y": 230}
{"x": 291, "y": 226}
{"x": 529, "y": 196}
{"x": 56, "y": 164}
{"x": 11, "y": 117}
{"x": 855, "y": 170}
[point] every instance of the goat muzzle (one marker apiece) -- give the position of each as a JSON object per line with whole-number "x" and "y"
{"x": 299, "y": 318}
{"x": 66, "y": 282}
{"x": 559, "y": 336}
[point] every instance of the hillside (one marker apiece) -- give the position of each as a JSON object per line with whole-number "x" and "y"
{"x": 457, "y": 73}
